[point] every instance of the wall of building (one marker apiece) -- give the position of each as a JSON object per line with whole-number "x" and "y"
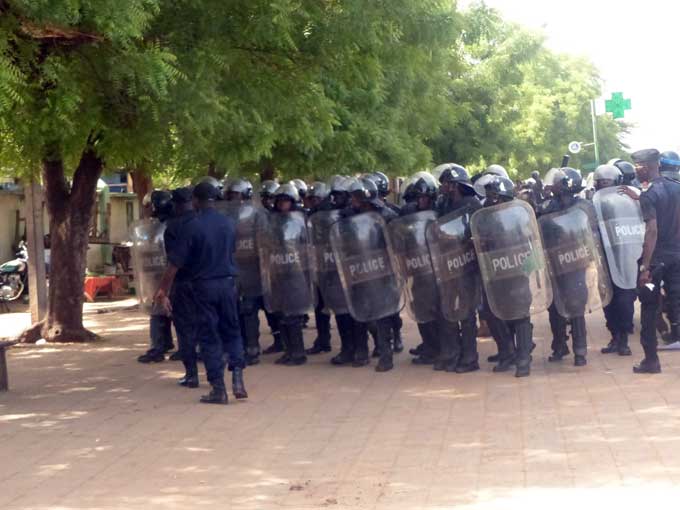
{"x": 10, "y": 202}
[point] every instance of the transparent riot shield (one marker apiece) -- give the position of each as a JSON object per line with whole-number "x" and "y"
{"x": 623, "y": 231}
{"x": 371, "y": 285}
{"x": 284, "y": 262}
{"x": 325, "y": 271}
{"x": 248, "y": 218}
{"x": 511, "y": 260}
{"x": 149, "y": 261}
{"x": 412, "y": 261}
{"x": 455, "y": 265}
{"x": 580, "y": 281}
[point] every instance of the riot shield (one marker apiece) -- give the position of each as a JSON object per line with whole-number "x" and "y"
{"x": 412, "y": 261}
{"x": 623, "y": 231}
{"x": 324, "y": 269}
{"x": 455, "y": 265}
{"x": 511, "y": 260}
{"x": 247, "y": 217}
{"x": 372, "y": 287}
{"x": 284, "y": 263}
{"x": 149, "y": 261}
{"x": 579, "y": 279}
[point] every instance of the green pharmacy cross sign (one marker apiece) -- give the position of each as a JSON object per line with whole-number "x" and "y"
{"x": 617, "y": 105}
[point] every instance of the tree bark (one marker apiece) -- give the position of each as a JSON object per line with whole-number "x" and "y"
{"x": 70, "y": 211}
{"x": 267, "y": 171}
{"x": 142, "y": 184}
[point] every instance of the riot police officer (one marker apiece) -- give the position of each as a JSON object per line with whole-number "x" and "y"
{"x": 160, "y": 322}
{"x": 239, "y": 193}
{"x": 382, "y": 182}
{"x": 565, "y": 183}
{"x": 267, "y": 190}
{"x": 181, "y": 294}
{"x": 670, "y": 165}
{"x": 317, "y": 199}
{"x": 660, "y": 262}
{"x": 458, "y": 351}
{"x": 619, "y": 312}
{"x": 289, "y": 291}
{"x": 364, "y": 199}
{"x": 515, "y": 342}
{"x": 205, "y": 248}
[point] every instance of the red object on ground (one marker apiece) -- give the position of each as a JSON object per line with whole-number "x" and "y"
{"x": 95, "y": 285}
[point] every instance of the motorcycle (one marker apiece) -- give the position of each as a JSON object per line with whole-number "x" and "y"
{"x": 14, "y": 275}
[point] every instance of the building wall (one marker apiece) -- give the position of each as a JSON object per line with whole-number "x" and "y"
{"x": 10, "y": 202}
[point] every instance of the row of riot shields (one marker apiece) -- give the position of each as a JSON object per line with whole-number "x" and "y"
{"x": 436, "y": 267}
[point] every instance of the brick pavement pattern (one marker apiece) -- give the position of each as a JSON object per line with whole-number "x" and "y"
{"x": 87, "y": 427}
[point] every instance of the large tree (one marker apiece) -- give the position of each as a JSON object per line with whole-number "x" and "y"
{"x": 80, "y": 88}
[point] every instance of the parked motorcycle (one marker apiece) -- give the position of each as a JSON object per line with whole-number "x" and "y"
{"x": 14, "y": 275}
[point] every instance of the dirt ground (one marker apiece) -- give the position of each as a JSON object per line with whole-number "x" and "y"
{"x": 87, "y": 427}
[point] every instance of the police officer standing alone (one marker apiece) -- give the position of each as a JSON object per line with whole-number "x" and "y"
{"x": 205, "y": 249}
{"x": 660, "y": 205}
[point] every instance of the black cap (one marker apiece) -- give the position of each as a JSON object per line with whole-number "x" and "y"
{"x": 206, "y": 191}
{"x": 646, "y": 156}
{"x": 182, "y": 195}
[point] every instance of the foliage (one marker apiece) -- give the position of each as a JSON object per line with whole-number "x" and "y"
{"x": 519, "y": 104}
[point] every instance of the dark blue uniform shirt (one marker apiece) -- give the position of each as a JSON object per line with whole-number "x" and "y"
{"x": 661, "y": 201}
{"x": 204, "y": 246}
{"x": 171, "y": 237}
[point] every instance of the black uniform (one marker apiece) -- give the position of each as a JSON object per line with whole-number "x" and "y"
{"x": 661, "y": 201}
{"x": 458, "y": 340}
{"x": 558, "y": 324}
{"x": 204, "y": 248}
{"x": 182, "y": 296}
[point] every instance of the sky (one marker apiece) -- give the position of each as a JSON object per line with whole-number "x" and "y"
{"x": 634, "y": 44}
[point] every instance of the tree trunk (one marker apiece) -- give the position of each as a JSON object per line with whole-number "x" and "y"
{"x": 70, "y": 211}
{"x": 267, "y": 171}
{"x": 142, "y": 185}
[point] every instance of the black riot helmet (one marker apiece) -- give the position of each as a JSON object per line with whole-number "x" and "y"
{"x": 213, "y": 182}
{"x": 363, "y": 188}
{"x": 318, "y": 190}
{"x": 382, "y": 182}
{"x": 457, "y": 174}
{"x": 286, "y": 193}
{"x": 498, "y": 189}
{"x": 161, "y": 204}
{"x": 627, "y": 170}
{"x": 606, "y": 176}
{"x": 301, "y": 187}
{"x": 426, "y": 186}
{"x": 564, "y": 180}
{"x": 339, "y": 190}
{"x": 268, "y": 188}
{"x": 239, "y": 188}
{"x": 670, "y": 164}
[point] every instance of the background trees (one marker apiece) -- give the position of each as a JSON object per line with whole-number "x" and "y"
{"x": 176, "y": 89}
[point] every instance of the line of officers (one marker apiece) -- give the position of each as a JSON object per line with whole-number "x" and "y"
{"x": 457, "y": 248}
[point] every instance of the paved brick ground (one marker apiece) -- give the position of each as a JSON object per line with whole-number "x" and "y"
{"x": 87, "y": 427}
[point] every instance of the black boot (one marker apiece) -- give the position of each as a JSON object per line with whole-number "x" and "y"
{"x": 277, "y": 346}
{"x": 237, "y": 385}
{"x": 559, "y": 353}
{"x": 464, "y": 368}
{"x": 494, "y": 358}
{"x": 648, "y": 366}
{"x": 580, "y": 361}
{"x": 612, "y": 346}
{"x": 217, "y": 395}
{"x": 296, "y": 344}
{"x": 189, "y": 381}
{"x": 523, "y": 371}
{"x": 318, "y": 347}
{"x": 385, "y": 362}
{"x": 398, "y": 344}
{"x": 151, "y": 356}
{"x": 623, "y": 348}
{"x": 504, "y": 365}
{"x": 175, "y": 356}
